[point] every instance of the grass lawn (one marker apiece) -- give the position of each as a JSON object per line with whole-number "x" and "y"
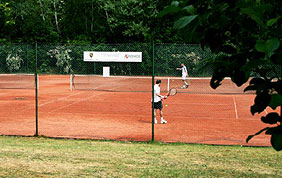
{"x": 44, "y": 157}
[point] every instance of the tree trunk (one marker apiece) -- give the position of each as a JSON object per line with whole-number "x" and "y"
{"x": 56, "y": 17}
{"x": 42, "y": 10}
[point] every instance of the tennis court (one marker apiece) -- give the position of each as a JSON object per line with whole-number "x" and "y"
{"x": 111, "y": 113}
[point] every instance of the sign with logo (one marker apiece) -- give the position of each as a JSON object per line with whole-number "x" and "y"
{"x": 101, "y": 56}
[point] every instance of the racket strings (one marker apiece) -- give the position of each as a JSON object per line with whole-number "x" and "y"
{"x": 172, "y": 91}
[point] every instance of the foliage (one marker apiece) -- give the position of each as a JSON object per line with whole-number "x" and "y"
{"x": 246, "y": 36}
{"x": 6, "y": 19}
{"x": 99, "y": 21}
{"x": 6, "y": 13}
{"x": 171, "y": 56}
{"x": 14, "y": 60}
{"x": 61, "y": 54}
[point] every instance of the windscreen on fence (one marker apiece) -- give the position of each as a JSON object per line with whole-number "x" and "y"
{"x": 68, "y": 59}
{"x": 17, "y": 81}
{"x": 136, "y": 76}
{"x": 16, "y": 66}
{"x": 17, "y": 84}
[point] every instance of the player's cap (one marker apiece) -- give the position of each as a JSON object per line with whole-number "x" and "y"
{"x": 158, "y": 81}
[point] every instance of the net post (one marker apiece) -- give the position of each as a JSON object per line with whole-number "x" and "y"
{"x": 278, "y": 79}
{"x": 37, "y": 81}
{"x": 71, "y": 82}
{"x": 168, "y": 84}
{"x": 153, "y": 83}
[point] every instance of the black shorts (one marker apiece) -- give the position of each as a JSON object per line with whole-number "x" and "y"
{"x": 158, "y": 105}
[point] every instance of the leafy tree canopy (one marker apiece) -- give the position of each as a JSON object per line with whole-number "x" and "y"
{"x": 88, "y": 21}
{"x": 246, "y": 36}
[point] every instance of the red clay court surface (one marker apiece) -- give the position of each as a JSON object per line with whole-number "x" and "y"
{"x": 84, "y": 114}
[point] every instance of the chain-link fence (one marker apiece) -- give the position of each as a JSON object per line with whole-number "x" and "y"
{"x": 74, "y": 99}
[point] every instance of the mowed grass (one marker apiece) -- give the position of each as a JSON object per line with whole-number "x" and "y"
{"x": 44, "y": 157}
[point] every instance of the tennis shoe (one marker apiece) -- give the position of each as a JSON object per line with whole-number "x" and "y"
{"x": 163, "y": 121}
{"x": 183, "y": 87}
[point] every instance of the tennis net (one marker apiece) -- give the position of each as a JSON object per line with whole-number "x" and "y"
{"x": 17, "y": 81}
{"x": 144, "y": 84}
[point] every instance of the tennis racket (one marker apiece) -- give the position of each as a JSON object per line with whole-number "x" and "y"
{"x": 172, "y": 92}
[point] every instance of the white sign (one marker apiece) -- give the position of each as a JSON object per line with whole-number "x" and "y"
{"x": 106, "y": 71}
{"x": 99, "y": 56}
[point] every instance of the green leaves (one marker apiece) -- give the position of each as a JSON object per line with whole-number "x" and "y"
{"x": 271, "y": 22}
{"x": 257, "y": 84}
{"x": 271, "y": 118}
{"x": 262, "y": 100}
{"x": 216, "y": 79}
{"x": 245, "y": 36}
{"x": 276, "y": 136}
{"x": 257, "y": 11}
{"x": 240, "y": 77}
{"x": 259, "y": 132}
{"x": 276, "y": 140}
{"x": 184, "y": 21}
{"x": 174, "y": 3}
{"x": 265, "y": 98}
{"x": 277, "y": 57}
{"x": 169, "y": 10}
{"x": 267, "y": 46}
{"x": 276, "y": 100}
{"x": 190, "y": 9}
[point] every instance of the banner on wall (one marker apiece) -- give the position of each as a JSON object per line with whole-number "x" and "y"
{"x": 99, "y": 56}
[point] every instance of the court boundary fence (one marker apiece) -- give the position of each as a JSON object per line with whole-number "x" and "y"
{"x": 166, "y": 54}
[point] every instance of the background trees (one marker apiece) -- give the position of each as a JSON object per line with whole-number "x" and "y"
{"x": 90, "y": 21}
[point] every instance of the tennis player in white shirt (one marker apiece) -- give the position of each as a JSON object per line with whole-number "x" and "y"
{"x": 158, "y": 105}
{"x": 184, "y": 75}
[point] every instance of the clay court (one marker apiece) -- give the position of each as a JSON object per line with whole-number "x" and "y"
{"x": 96, "y": 114}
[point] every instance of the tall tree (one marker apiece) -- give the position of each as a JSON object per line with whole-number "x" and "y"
{"x": 135, "y": 21}
{"x": 7, "y": 21}
{"x": 34, "y": 20}
{"x": 115, "y": 21}
{"x": 91, "y": 21}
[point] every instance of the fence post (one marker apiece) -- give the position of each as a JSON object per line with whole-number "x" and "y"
{"x": 153, "y": 83}
{"x": 36, "y": 92}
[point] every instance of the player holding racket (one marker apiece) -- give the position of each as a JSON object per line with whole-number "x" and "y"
{"x": 158, "y": 105}
{"x": 184, "y": 75}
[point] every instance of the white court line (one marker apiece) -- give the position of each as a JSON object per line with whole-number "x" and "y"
{"x": 235, "y": 108}
{"x": 63, "y": 98}
{"x": 52, "y": 101}
{"x": 205, "y": 104}
{"x": 33, "y": 105}
{"x": 75, "y": 103}
{"x": 78, "y": 101}
{"x": 106, "y": 101}
{"x": 60, "y": 99}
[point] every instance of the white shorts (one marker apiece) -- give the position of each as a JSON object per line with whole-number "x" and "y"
{"x": 183, "y": 77}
